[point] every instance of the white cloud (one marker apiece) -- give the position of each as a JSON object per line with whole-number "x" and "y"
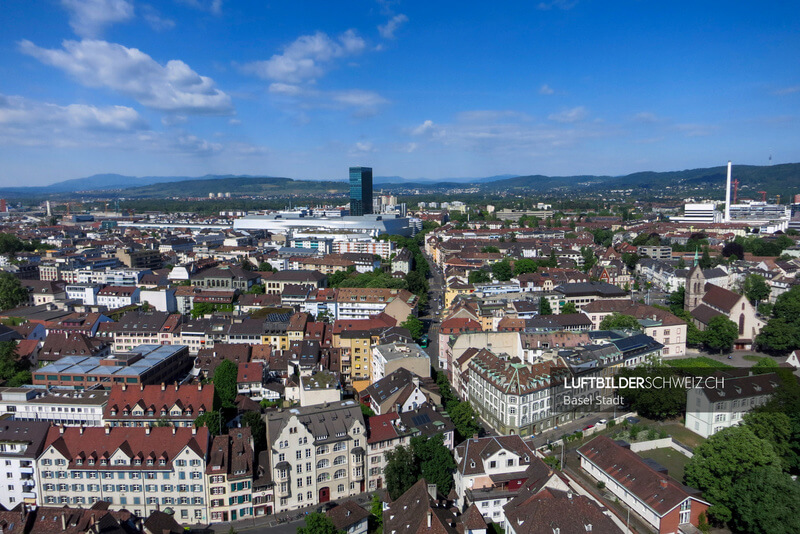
{"x": 787, "y": 90}
{"x": 17, "y": 111}
{"x": 358, "y": 98}
{"x": 234, "y": 122}
{"x": 155, "y": 20}
{"x": 88, "y": 18}
{"x": 364, "y": 146}
{"x": 131, "y": 72}
{"x": 410, "y": 147}
{"x": 213, "y": 6}
{"x": 365, "y": 102}
{"x": 172, "y": 120}
{"x": 569, "y": 115}
{"x": 546, "y": 90}
{"x": 387, "y": 30}
{"x": 424, "y": 128}
{"x": 307, "y": 58}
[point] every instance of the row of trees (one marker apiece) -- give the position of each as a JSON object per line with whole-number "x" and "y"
{"x": 461, "y": 412}
{"x": 12, "y": 294}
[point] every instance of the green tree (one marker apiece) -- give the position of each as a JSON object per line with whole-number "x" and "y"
{"x": 705, "y": 260}
{"x": 8, "y": 360}
{"x": 725, "y": 457}
{"x": 20, "y": 378}
{"x": 619, "y": 321}
{"x": 720, "y": 334}
{"x": 544, "y": 307}
{"x": 258, "y": 429}
{"x": 256, "y": 289}
{"x": 654, "y": 403}
{"x": 225, "y": 382}
{"x": 766, "y": 500}
{"x": 211, "y": 419}
{"x": 464, "y": 418}
{"x": 435, "y": 461}
{"x": 400, "y": 471}
{"x": 756, "y": 288}
{"x": 12, "y": 294}
{"x": 676, "y": 299}
{"x": 490, "y": 249}
{"x": 569, "y": 308}
{"x": 502, "y": 270}
{"x": 778, "y": 336}
{"x": 525, "y": 265}
{"x": 776, "y": 428}
{"x": 199, "y": 309}
{"x": 414, "y": 325}
{"x": 376, "y": 509}
{"x": 479, "y": 277}
{"x": 265, "y": 267}
{"x": 317, "y": 523}
{"x": 787, "y": 306}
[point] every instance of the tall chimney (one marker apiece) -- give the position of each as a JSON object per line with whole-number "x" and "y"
{"x": 728, "y": 195}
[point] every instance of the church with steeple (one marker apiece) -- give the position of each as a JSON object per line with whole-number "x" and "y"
{"x": 704, "y": 301}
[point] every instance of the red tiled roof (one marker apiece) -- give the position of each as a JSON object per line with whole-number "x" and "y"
{"x": 136, "y": 442}
{"x": 157, "y": 397}
{"x": 656, "y": 490}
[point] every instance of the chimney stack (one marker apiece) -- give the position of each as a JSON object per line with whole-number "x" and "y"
{"x": 163, "y": 386}
{"x": 429, "y": 518}
{"x": 728, "y": 195}
{"x": 664, "y": 483}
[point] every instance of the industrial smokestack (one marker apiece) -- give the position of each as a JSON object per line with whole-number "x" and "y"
{"x": 728, "y": 195}
{"x": 49, "y": 213}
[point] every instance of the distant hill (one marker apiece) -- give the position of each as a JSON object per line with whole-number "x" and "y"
{"x": 774, "y": 179}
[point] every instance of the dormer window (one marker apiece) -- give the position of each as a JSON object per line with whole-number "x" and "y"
{"x": 103, "y": 462}
{"x": 78, "y": 461}
{"x": 162, "y": 461}
{"x": 91, "y": 461}
{"x": 137, "y": 462}
{"x": 113, "y": 412}
{"x": 149, "y": 461}
{"x": 163, "y": 412}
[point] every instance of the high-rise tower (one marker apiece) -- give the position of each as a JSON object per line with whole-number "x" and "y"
{"x": 360, "y": 190}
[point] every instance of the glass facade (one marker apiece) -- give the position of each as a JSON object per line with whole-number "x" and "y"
{"x": 360, "y": 191}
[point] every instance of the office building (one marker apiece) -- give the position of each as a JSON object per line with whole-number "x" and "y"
{"x": 360, "y": 191}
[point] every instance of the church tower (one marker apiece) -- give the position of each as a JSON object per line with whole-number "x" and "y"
{"x": 695, "y": 289}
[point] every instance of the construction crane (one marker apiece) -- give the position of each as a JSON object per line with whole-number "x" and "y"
{"x": 763, "y": 196}
{"x": 735, "y": 190}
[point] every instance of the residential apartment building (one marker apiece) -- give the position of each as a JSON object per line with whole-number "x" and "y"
{"x": 724, "y": 403}
{"x": 139, "y": 469}
{"x": 491, "y": 470}
{"x": 661, "y": 325}
{"x": 513, "y": 397}
{"x": 113, "y": 297}
{"x": 151, "y": 405}
{"x": 60, "y": 406}
{"x": 21, "y": 442}
{"x": 229, "y": 476}
{"x": 317, "y": 454}
{"x": 361, "y": 303}
{"x": 390, "y": 357}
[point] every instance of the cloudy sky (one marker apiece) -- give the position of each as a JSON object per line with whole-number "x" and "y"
{"x": 412, "y": 88}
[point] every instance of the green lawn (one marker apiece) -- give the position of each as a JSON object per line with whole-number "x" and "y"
{"x": 675, "y": 429}
{"x": 700, "y": 362}
{"x": 669, "y": 458}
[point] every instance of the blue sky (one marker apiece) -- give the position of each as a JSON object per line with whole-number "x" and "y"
{"x": 415, "y": 89}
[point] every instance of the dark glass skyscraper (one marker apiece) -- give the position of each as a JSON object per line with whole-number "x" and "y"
{"x": 360, "y": 190}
